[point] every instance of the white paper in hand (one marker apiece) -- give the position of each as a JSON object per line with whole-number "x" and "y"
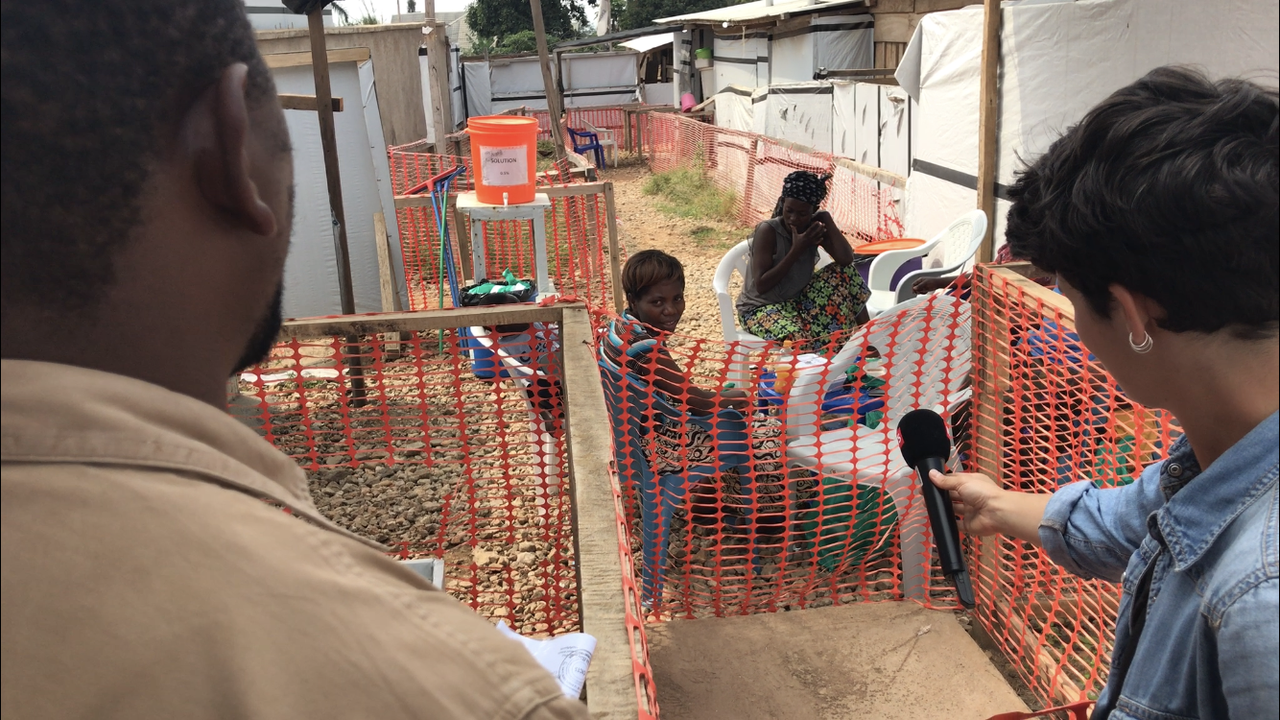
{"x": 565, "y": 656}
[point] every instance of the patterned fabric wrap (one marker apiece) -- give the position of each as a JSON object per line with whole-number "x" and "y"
{"x": 829, "y": 304}
{"x": 806, "y": 187}
{"x": 674, "y": 445}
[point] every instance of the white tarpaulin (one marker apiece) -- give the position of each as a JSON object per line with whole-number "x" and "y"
{"x": 681, "y": 56}
{"x": 598, "y": 70}
{"x": 831, "y": 41}
{"x": 733, "y": 109}
{"x": 603, "y": 78}
{"x": 867, "y": 122}
{"x": 455, "y": 85}
{"x": 658, "y": 93}
{"x": 476, "y": 75}
{"x": 425, "y": 74}
{"x": 311, "y": 272}
{"x": 735, "y": 61}
{"x": 648, "y": 42}
{"x": 590, "y": 79}
{"x": 515, "y": 76}
{"x": 843, "y": 41}
{"x": 792, "y": 59}
{"x": 1058, "y": 60}
{"x": 799, "y": 113}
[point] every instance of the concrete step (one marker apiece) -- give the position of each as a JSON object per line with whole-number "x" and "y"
{"x": 870, "y": 660}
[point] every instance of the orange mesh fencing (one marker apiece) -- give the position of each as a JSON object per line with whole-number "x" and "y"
{"x": 611, "y": 118}
{"x": 445, "y": 444}
{"x": 1046, "y": 414}
{"x": 577, "y": 228}
{"x": 752, "y": 168}
{"x": 758, "y": 478}
{"x": 403, "y": 444}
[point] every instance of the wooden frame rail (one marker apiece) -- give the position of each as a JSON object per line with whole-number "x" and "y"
{"x": 611, "y": 682}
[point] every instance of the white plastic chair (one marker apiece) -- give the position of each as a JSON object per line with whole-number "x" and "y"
{"x": 607, "y": 142}
{"x": 736, "y": 261}
{"x": 733, "y": 261}
{"x": 926, "y": 346}
{"x": 947, "y": 253}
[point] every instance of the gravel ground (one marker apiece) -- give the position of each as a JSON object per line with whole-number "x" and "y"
{"x": 472, "y": 488}
{"x": 643, "y": 227}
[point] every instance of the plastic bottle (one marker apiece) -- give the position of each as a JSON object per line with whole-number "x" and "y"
{"x": 783, "y": 372}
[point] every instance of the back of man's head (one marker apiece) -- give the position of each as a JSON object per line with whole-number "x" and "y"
{"x": 1169, "y": 188}
{"x": 92, "y": 94}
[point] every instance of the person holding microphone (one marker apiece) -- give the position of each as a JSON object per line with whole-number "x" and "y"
{"x": 1158, "y": 213}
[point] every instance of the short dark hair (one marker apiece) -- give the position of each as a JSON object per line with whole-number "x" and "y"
{"x": 648, "y": 268}
{"x": 92, "y": 93}
{"x": 1167, "y": 188}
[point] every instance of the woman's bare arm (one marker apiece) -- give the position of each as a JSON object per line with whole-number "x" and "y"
{"x": 834, "y": 241}
{"x": 671, "y": 380}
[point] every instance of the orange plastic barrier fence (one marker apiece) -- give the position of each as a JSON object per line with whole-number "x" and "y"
{"x": 577, "y": 232}
{"x": 792, "y": 493}
{"x": 601, "y": 118}
{"x": 752, "y": 168}
{"x": 449, "y": 445}
{"x": 405, "y": 445}
{"x": 1046, "y": 414}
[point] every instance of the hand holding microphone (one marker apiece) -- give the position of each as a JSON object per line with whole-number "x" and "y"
{"x": 926, "y": 447}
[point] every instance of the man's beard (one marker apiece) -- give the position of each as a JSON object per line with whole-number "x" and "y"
{"x": 264, "y": 336}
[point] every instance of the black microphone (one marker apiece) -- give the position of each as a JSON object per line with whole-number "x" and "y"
{"x": 922, "y": 435}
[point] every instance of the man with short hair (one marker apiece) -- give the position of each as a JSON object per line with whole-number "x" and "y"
{"x": 147, "y": 198}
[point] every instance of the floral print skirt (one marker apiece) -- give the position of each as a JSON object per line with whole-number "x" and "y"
{"x": 828, "y": 305}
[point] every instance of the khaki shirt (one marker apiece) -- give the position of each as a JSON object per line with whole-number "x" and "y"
{"x": 144, "y": 577}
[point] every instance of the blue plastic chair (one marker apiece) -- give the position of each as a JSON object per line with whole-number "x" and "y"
{"x": 631, "y": 404}
{"x": 584, "y": 141}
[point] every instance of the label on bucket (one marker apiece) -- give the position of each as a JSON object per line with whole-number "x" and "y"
{"x": 502, "y": 166}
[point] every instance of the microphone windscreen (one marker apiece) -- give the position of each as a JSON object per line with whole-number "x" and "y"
{"x": 923, "y": 434}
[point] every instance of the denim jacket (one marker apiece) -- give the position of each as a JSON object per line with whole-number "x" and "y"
{"x": 1209, "y": 648}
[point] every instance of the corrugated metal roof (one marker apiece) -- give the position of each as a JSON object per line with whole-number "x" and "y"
{"x": 756, "y": 11}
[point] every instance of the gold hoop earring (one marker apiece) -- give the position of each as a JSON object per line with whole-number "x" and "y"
{"x": 1144, "y": 347}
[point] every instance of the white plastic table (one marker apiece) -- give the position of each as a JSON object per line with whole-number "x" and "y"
{"x": 533, "y": 212}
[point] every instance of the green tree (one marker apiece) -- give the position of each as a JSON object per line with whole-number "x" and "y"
{"x": 495, "y": 24}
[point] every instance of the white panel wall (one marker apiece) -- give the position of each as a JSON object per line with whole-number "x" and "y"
{"x": 311, "y": 272}
{"x": 1058, "y": 60}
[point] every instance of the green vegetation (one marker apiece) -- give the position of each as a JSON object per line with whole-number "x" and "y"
{"x": 686, "y": 193}
{"x": 502, "y": 27}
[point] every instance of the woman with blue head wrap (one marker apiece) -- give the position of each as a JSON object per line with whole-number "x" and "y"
{"x": 783, "y": 297}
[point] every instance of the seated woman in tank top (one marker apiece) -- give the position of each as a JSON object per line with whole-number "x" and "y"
{"x": 783, "y": 298}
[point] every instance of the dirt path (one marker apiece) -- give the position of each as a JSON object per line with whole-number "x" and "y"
{"x": 700, "y": 244}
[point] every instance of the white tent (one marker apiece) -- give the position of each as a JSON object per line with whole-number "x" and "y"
{"x": 311, "y": 272}
{"x": 1058, "y": 59}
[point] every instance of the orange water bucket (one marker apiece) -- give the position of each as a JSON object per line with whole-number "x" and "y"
{"x": 504, "y": 158}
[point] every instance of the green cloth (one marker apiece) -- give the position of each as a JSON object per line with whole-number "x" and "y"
{"x": 849, "y": 528}
{"x": 490, "y": 288}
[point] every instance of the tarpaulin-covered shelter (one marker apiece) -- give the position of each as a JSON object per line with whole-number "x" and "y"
{"x": 1057, "y": 60}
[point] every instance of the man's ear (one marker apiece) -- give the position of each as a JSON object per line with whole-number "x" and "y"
{"x": 224, "y": 172}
